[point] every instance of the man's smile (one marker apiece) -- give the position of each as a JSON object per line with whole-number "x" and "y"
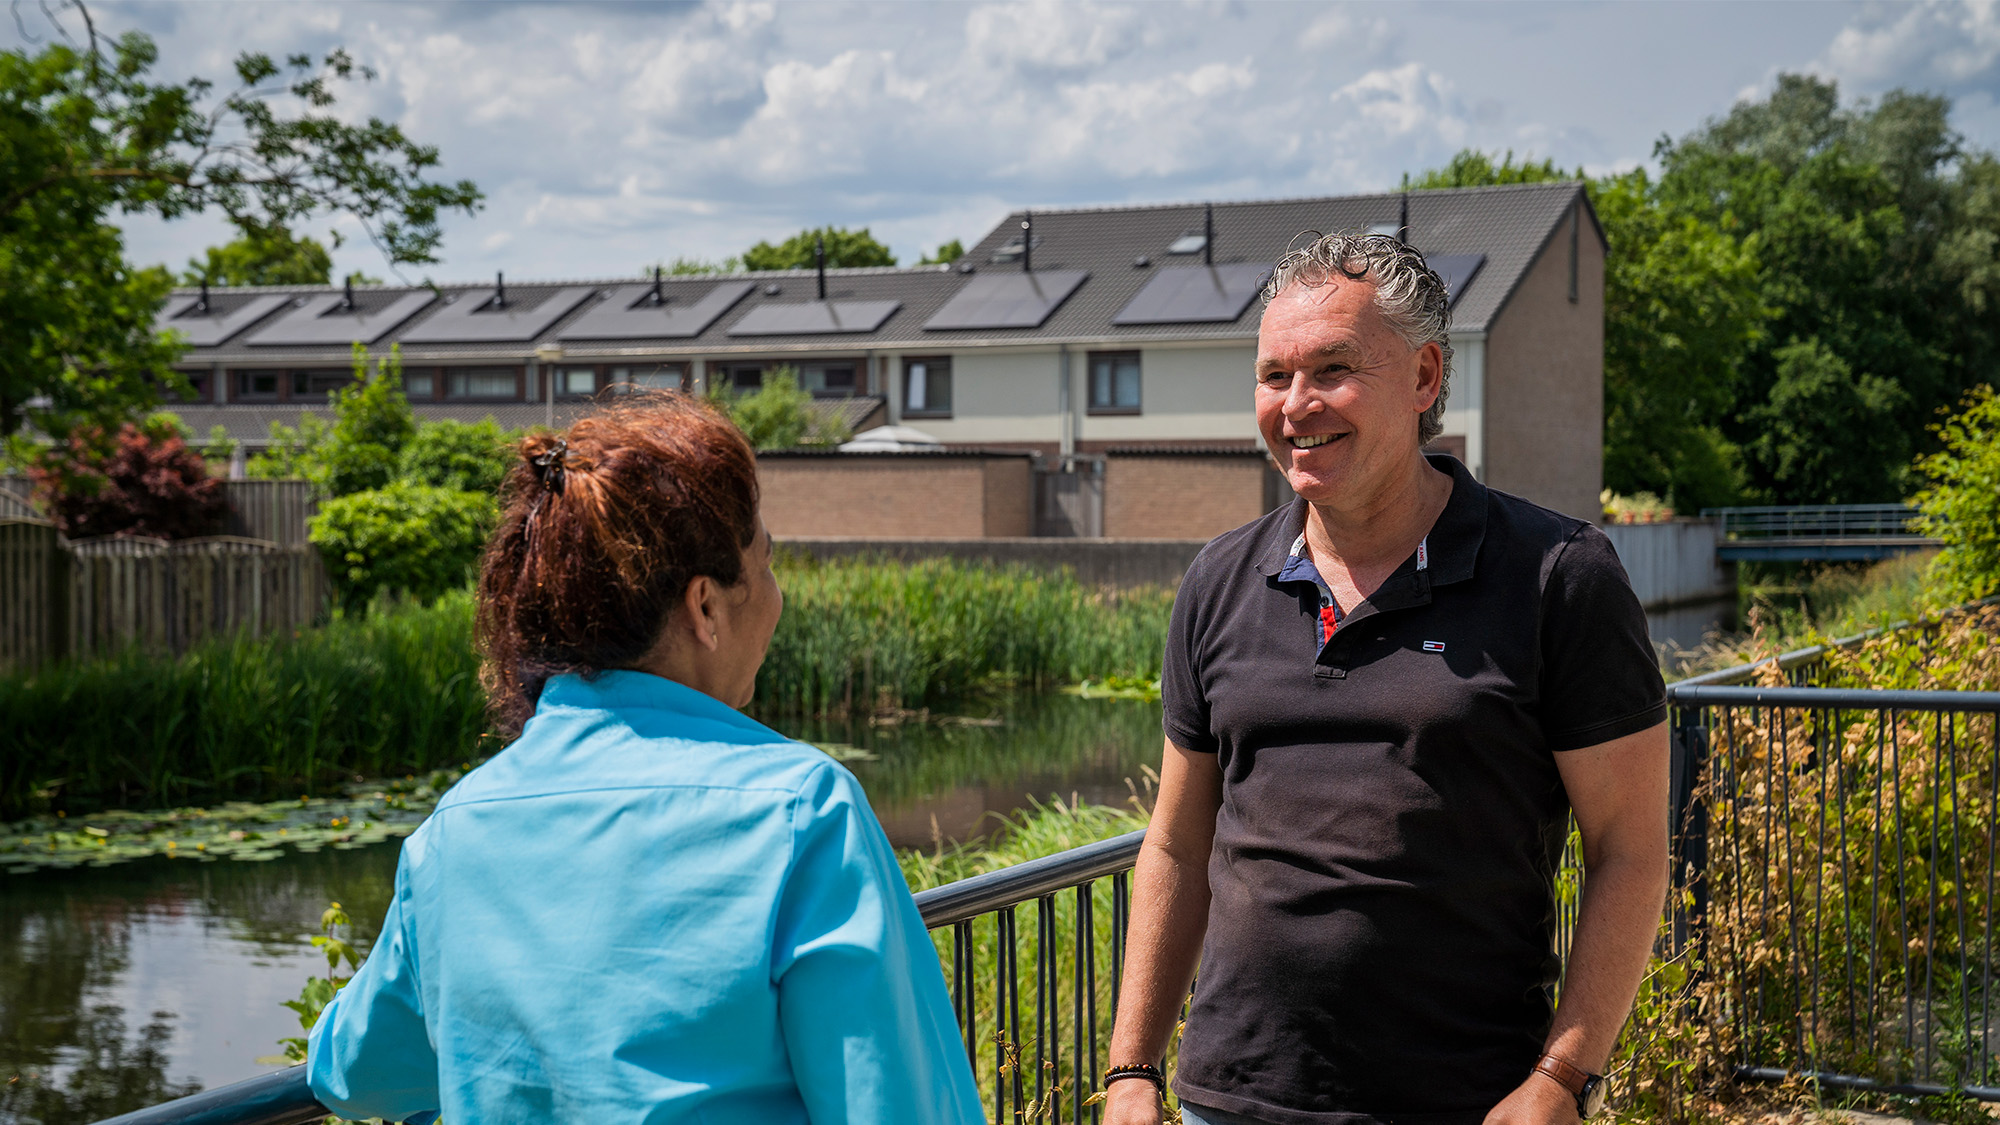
{"x": 1312, "y": 441}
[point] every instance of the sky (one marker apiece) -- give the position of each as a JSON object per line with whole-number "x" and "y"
{"x": 609, "y": 137}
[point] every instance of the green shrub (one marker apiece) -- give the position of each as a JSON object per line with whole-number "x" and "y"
{"x": 1962, "y": 504}
{"x": 464, "y": 457}
{"x": 778, "y": 414}
{"x": 361, "y": 450}
{"x": 407, "y": 538}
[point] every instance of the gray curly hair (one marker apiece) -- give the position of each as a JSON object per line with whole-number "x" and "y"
{"x": 1409, "y": 294}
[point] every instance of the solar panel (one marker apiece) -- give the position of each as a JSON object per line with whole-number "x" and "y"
{"x": 1195, "y": 295}
{"x": 629, "y": 314}
{"x": 1457, "y": 272}
{"x": 321, "y": 320}
{"x": 226, "y": 317}
{"x": 1006, "y": 300}
{"x": 472, "y": 319}
{"x": 814, "y": 318}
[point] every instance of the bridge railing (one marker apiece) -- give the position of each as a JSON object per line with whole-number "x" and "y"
{"x": 1886, "y": 961}
{"x": 1823, "y": 521}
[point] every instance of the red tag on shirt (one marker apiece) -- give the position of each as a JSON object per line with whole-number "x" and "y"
{"x": 1327, "y": 623}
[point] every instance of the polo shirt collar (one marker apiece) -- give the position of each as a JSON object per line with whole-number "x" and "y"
{"x": 1453, "y": 542}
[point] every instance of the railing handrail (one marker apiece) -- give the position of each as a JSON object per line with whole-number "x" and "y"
{"x": 1786, "y": 661}
{"x": 1852, "y": 699}
{"x": 1817, "y": 521}
{"x": 1025, "y": 882}
{"x": 279, "y": 1098}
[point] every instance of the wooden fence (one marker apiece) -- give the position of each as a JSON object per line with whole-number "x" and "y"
{"x": 90, "y": 597}
{"x": 277, "y": 511}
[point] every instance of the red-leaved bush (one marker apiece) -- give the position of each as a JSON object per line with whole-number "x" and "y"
{"x": 145, "y": 481}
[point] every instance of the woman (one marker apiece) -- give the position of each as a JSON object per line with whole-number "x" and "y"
{"x": 648, "y": 907}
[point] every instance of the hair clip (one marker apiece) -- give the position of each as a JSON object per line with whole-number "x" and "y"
{"x": 549, "y": 466}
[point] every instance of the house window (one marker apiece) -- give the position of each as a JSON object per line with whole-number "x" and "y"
{"x": 665, "y": 377}
{"x": 254, "y": 385}
{"x": 576, "y": 381}
{"x": 1114, "y": 382}
{"x": 419, "y": 385}
{"x": 927, "y": 387}
{"x": 316, "y": 384}
{"x": 482, "y": 382}
{"x": 827, "y": 380}
{"x": 739, "y": 378}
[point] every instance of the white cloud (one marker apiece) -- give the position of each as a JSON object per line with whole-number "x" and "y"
{"x": 1929, "y": 45}
{"x": 1050, "y": 35}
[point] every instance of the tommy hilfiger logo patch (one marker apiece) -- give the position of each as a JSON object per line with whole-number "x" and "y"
{"x": 1433, "y": 646}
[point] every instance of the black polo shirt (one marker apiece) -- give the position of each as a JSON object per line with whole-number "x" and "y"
{"x": 1379, "y": 938}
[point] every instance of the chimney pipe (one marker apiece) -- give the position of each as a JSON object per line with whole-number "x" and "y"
{"x": 1208, "y": 234}
{"x": 656, "y": 298}
{"x": 1403, "y": 221}
{"x": 347, "y": 294}
{"x": 499, "y": 290}
{"x": 201, "y": 306}
{"x": 1027, "y": 242}
{"x": 819, "y": 258}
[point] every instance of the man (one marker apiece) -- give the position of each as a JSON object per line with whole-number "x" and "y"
{"x": 1380, "y": 704}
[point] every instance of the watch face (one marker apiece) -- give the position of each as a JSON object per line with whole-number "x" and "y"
{"x": 1594, "y": 1090}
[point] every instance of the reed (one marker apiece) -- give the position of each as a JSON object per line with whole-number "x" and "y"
{"x": 394, "y": 690}
{"x": 871, "y": 635}
{"x": 391, "y": 692}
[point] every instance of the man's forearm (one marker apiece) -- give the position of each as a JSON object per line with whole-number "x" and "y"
{"x": 1162, "y": 947}
{"x": 1617, "y": 922}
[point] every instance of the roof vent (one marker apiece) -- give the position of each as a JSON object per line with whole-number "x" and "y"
{"x": 201, "y": 303}
{"x": 498, "y": 301}
{"x": 967, "y": 267}
{"x": 1192, "y": 241}
{"x": 1141, "y": 262}
{"x": 347, "y": 295}
{"x": 772, "y": 290}
{"x": 819, "y": 263}
{"x": 654, "y": 297}
{"x": 1019, "y": 248}
{"x": 1387, "y": 230}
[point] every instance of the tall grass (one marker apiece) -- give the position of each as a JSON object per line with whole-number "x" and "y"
{"x": 865, "y": 635}
{"x": 395, "y": 690}
{"x": 386, "y": 693}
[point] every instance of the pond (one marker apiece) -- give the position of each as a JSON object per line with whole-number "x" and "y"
{"x": 126, "y": 985}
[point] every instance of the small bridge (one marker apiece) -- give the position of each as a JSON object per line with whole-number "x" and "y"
{"x": 1821, "y": 533}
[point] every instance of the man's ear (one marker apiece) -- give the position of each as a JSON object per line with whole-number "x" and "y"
{"x": 699, "y": 605}
{"x": 1430, "y": 374}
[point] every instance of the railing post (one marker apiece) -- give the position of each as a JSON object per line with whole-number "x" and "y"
{"x": 1690, "y": 823}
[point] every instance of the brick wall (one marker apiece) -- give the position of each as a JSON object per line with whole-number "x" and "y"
{"x": 1181, "y": 496}
{"x": 1544, "y": 409}
{"x": 895, "y": 496}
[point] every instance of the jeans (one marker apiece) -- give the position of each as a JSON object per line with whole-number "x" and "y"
{"x": 1192, "y": 1114}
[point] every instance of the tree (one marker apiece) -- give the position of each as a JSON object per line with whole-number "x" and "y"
{"x": 86, "y": 134}
{"x": 144, "y": 480}
{"x": 1681, "y": 311}
{"x": 843, "y": 248}
{"x": 1875, "y": 233}
{"x": 263, "y": 257}
{"x": 1962, "y": 503}
{"x": 1470, "y": 167}
{"x": 362, "y": 449}
{"x": 946, "y": 254}
{"x": 778, "y": 414}
{"x": 464, "y": 457}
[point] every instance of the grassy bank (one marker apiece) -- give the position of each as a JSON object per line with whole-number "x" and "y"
{"x": 869, "y": 635}
{"x": 394, "y": 691}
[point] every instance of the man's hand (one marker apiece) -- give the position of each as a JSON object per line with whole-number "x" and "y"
{"x": 1538, "y": 1101}
{"x": 1134, "y": 1101}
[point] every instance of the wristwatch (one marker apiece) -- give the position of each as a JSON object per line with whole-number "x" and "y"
{"x": 1586, "y": 1088}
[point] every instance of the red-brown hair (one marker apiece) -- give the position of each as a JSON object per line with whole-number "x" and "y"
{"x": 601, "y": 530}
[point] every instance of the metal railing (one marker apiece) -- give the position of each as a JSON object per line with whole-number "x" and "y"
{"x": 1840, "y": 846}
{"x": 1820, "y": 521}
{"x": 1030, "y": 1073}
{"x": 1859, "y": 956}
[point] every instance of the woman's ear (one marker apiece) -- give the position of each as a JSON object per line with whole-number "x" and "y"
{"x": 701, "y": 603}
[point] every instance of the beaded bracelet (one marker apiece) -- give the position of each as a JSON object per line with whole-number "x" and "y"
{"x": 1147, "y": 1071}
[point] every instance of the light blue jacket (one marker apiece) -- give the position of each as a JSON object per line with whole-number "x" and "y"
{"x": 648, "y": 908}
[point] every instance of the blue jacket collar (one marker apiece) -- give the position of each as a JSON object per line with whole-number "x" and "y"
{"x": 620, "y": 689}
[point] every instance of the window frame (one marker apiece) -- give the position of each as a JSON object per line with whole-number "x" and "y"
{"x": 446, "y": 374}
{"x": 280, "y": 383}
{"x": 1091, "y": 406}
{"x": 927, "y": 411}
